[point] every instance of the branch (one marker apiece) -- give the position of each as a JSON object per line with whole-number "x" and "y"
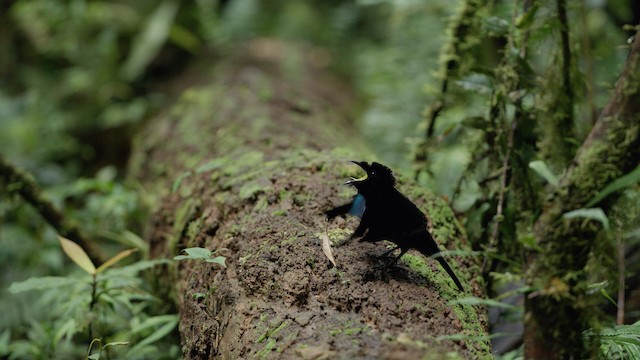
{"x": 17, "y": 182}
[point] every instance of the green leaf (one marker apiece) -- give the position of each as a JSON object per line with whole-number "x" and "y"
{"x": 115, "y": 259}
{"x": 591, "y": 213}
{"x": 621, "y": 341}
{"x": 132, "y": 270}
{"x": 541, "y": 168}
{"x": 41, "y": 283}
{"x": 194, "y": 253}
{"x": 198, "y": 253}
{"x": 620, "y": 183}
{"x": 149, "y": 41}
{"x": 115, "y": 343}
{"x": 525, "y": 20}
{"x": 75, "y": 253}
{"x": 176, "y": 183}
{"x": 220, "y": 260}
{"x": 473, "y": 300}
{"x": 211, "y": 165}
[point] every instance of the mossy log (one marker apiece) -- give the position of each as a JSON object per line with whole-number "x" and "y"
{"x": 247, "y": 161}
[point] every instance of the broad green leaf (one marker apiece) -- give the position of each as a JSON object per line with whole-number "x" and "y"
{"x": 591, "y": 213}
{"x": 620, "y": 183}
{"x": 198, "y": 253}
{"x": 220, "y": 260}
{"x": 41, "y": 283}
{"x": 75, "y": 253}
{"x": 115, "y": 259}
{"x": 194, "y": 253}
{"x": 541, "y": 168}
{"x": 472, "y": 300}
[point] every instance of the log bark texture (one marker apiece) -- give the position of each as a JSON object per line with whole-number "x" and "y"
{"x": 247, "y": 161}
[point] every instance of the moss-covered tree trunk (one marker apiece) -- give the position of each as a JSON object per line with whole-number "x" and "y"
{"x": 561, "y": 307}
{"x": 248, "y": 161}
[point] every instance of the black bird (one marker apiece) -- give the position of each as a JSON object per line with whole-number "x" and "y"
{"x": 386, "y": 214}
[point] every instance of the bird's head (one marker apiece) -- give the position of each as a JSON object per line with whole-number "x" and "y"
{"x": 377, "y": 175}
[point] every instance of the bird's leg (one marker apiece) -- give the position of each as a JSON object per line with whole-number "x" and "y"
{"x": 390, "y": 251}
{"x": 391, "y": 262}
{"x": 394, "y": 260}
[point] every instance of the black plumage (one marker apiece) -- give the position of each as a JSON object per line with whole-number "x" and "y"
{"x": 386, "y": 214}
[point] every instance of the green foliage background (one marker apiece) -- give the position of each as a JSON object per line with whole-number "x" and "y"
{"x": 79, "y": 76}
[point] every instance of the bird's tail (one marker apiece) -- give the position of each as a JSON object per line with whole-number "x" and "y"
{"x": 430, "y": 249}
{"x": 449, "y": 271}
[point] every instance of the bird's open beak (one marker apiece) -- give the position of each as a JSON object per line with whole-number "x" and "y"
{"x": 357, "y": 180}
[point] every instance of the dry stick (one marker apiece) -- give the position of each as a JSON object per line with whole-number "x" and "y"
{"x": 503, "y": 189}
{"x": 20, "y": 183}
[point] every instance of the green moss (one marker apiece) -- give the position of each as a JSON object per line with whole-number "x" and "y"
{"x": 477, "y": 342}
{"x": 250, "y": 190}
{"x": 289, "y": 240}
{"x": 279, "y": 212}
{"x": 349, "y": 329}
{"x": 467, "y": 314}
{"x": 270, "y": 334}
{"x": 266, "y": 350}
{"x": 248, "y": 160}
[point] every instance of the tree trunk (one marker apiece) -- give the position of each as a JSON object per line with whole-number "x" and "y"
{"x": 561, "y": 308}
{"x": 248, "y": 161}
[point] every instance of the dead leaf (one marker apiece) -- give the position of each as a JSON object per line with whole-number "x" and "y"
{"x": 326, "y": 247}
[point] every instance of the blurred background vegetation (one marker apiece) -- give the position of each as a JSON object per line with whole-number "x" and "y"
{"x": 80, "y": 76}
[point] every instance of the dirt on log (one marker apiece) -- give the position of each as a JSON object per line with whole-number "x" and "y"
{"x": 247, "y": 161}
